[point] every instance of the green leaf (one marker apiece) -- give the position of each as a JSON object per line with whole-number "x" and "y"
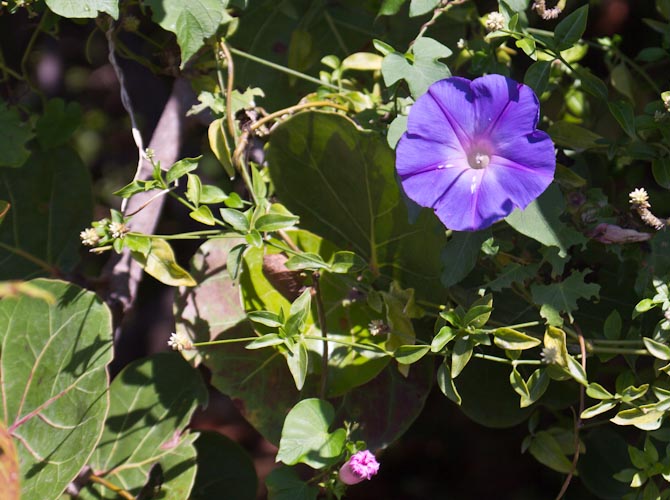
{"x": 151, "y": 402}
{"x": 512, "y": 273}
{"x": 573, "y": 136}
{"x": 644, "y": 417}
{"x": 358, "y": 207}
{"x": 460, "y": 356}
{"x": 203, "y": 214}
{"x": 55, "y": 401}
{"x": 409, "y": 354}
{"x": 623, "y": 81}
{"x": 657, "y": 349}
{"x": 181, "y": 168}
{"x": 537, "y": 76}
{"x": 597, "y": 409}
{"x": 212, "y": 195}
{"x": 555, "y": 343}
{"x": 519, "y": 384}
{"x": 234, "y": 260}
{"x": 660, "y": 168}
{"x": 225, "y": 469}
{"x": 446, "y": 384}
{"x": 306, "y": 260}
{"x": 571, "y": 29}
{"x": 508, "y": 338}
{"x": 547, "y": 451}
{"x": 537, "y": 385}
{"x": 443, "y": 337}
{"x": 275, "y": 222}
{"x": 562, "y": 297}
{"x": 160, "y": 263}
{"x": 419, "y": 69}
{"x": 479, "y": 312}
{"x": 258, "y": 184}
{"x": 346, "y": 262}
{"x": 460, "y": 255}
{"x": 305, "y": 437}
{"x": 624, "y": 115}
{"x": 540, "y": 221}
{"x": 284, "y": 484}
{"x": 137, "y": 186}
{"x": 192, "y": 22}
{"x": 577, "y": 371}
{"x": 14, "y": 134}
{"x": 268, "y": 340}
{"x": 597, "y": 391}
{"x": 236, "y": 219}
{"x": 88, "y": 9}
{"x": 193, "y": 189}
{"x": 219, "y": 146}
{"x": 9, "y": 466}
{"x": 58, "y": 123}
{"x": 612, "y": 326}
{"x": 266, "y": 318}
{"x": 421, "y": 7}
{"x": 51, "y": 204}
{"x": 592, "y": 84}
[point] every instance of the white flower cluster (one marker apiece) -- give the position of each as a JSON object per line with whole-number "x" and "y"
{"x": 180, "y": 342}
{"x": 495, "y": 21}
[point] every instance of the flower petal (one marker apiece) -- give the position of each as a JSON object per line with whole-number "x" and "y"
{"x": 429, "y": 120}
{"x": 504, "y": 107}
{"x": 428, "y": 188}
{"x": 457, "y": 207}
{"x": 416, "y": 154}
{"x": 455, "y": 100}
{"x": 534, "y": 152}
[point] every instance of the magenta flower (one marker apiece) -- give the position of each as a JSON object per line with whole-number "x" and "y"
{"x": 471, "y": 151}
{"x": 362, "y": 465}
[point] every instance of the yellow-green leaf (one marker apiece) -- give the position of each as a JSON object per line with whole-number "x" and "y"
{"x": 161, "y": 264}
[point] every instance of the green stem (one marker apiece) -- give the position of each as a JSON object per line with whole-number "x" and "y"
{"x": 349, "y": 344}
{"x": 615, "y": 342}
{"x": 193, "y": 207}
{"x": 283, "y": 69}
{"x": 517, "y": 326}
{"x": 321, "y": 314}
{"x": 225, "y": 341}
{"x": 506, "y": 361}
{"x": 614, "y": 350}
{"x": 193, "y": 235}
{"x": 336, "y": 32}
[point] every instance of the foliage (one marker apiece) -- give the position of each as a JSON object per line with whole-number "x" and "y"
{"x": 320, "y": 298}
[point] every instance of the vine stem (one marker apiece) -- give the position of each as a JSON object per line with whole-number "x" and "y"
{"x": 577, "y": 418}
{"x": 35, "y": 260}
{"x": 505, "y": 361}
{"x": 224, "y": 341}
{"x": 283, "y": 69}
{"x": 230, "y": 71}
{"x": 293, "y": 109}
{"x": 116, "y": 489}
{"x": 321, "y": 313}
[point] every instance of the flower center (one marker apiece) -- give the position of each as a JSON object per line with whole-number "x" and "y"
{"x": 479, "y": 160}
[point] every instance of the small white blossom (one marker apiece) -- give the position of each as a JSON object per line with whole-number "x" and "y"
{"x": 495, "y": 21}
{"x": 549, "y": 355}
{"x": 461, "y": 44}
{"x": 639, "y": 197}
{"x": 377, "y": 327}
{"x": 118, "y": 229}
{"x": 89, "y": 237}
{"x": 666, "y": 100}
{"x": 180, "y": 342}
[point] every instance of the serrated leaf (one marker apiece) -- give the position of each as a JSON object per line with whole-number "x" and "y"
{"x": 160, "y": 263}
{"x": 508, "y": 338}
{"x": 151, "y": 402}
{"x": 540, "y": 220}
{"x": 58, "y": 123}
{"x": 512, "y": 273}
{"x": 55, "y": 401}
{"x": 305, "y": 437}
{"x": 424, "y": 69}
{"x": 192, "y": 22}
{"x": 562, "y": 297}
{"x": 89, "y": 9}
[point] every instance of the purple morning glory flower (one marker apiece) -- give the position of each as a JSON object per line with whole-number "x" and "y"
{"x": 362, "y": 465}
{"x": 471, "y": 151}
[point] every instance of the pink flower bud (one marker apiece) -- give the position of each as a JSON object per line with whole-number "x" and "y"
{"x": 361, "y": 465}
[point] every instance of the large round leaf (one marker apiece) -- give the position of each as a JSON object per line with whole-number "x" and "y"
{"x": 51, "y": 203}
{"x": 152, "y": 401}
{"x": 54, "y": 382}
{"x": 341, "y": 181}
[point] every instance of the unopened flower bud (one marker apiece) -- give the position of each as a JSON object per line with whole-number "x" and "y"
{"x": 362, "y": 465}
